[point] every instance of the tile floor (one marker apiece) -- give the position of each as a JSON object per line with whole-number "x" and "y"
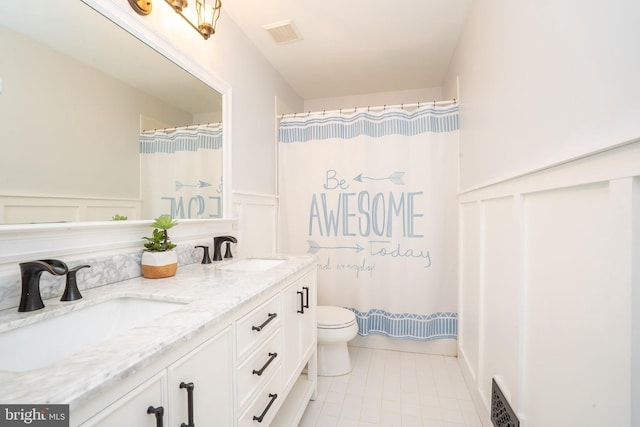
{"x": 393, "y": 389}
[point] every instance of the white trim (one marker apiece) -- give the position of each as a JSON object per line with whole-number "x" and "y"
{"x": 545, "y": 166}
{"x": 621, "y": 161}
{"x": 33, "y": 241}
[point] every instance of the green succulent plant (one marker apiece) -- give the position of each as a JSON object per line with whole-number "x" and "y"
{"x": 159, "y": 241}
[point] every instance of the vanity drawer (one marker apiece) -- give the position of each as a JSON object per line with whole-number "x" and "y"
{"x": 265, "y": 404}
{"x": 257, "y": 326}
{"x": 259, "y": 367}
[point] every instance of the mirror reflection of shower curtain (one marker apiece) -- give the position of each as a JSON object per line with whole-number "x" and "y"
{"x": 373, "y": 195}
{"x": 181, "y": 172}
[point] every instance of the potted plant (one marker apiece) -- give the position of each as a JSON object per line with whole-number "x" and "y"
{"x": 159, "y": 259}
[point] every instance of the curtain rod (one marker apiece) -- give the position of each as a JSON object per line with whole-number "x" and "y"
{"x": 377, "y": 108}
{"x": 182, "y": 127}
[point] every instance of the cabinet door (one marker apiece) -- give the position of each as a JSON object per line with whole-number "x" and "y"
{"x": 308, "y": 322}
{"x": 131, "y": 409}
{"x": 208, "y": 368}
{"x": 299, "y": 325}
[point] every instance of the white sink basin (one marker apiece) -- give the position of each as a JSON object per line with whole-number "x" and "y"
{"x": 252, "y": 264}
{"x": 50, "y": 340}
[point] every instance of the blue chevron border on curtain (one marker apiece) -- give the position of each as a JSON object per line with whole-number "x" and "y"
{"x": 373, "y": 195}
{"x": 407, "y": 325}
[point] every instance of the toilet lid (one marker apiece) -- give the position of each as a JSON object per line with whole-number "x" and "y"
{"x": 334, "y": 317}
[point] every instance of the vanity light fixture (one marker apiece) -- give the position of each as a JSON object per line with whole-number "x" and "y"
{"x": 208, "y": 12}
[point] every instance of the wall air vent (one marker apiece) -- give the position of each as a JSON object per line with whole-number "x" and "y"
{"x": 283, "y": 32}
{"x": 501, "y": 413}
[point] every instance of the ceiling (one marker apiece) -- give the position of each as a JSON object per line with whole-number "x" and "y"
{"x": 357, "y": 46}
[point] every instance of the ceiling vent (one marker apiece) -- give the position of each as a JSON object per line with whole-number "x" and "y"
{"x": 283, "y": 32}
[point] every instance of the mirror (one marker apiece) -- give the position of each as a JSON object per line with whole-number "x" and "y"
{"x": 75, "y": 92}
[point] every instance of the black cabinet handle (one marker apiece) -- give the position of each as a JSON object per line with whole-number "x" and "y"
{"x": 272, "y": 356}
{"x": 306, "y": 292}
{"x": 189, "y": 387}
{"x": 158, "y": 412}
{"x": 270, "y": 317}
{"x": 273, "y": 397}
{"x": 301, "y": 311}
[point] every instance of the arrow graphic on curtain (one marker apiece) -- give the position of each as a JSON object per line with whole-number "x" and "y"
{"x": 315, "y": 247}
{"x": 200, "y": 184}
{"x": 395, "y": 178}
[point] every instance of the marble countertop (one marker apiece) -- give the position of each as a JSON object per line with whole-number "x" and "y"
{"x": 208, "y": 293}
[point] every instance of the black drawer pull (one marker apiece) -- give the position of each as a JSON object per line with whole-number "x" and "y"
{"x": 273, "y": 397}
{"x": 269, "y": 319}
{"x": 301, "y": 311}
{"x": 306, "y": 292}
{"x": 272, "y": 356}
{"x": 189, "y": 387}
{"x": 158, "y": 412}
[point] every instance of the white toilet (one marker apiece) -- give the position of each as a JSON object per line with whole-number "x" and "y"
{"x": 336, "y": 327}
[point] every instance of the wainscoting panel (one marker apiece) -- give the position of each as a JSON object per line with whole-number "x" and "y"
{"x": 257, "y": 216}
{"x": 548, "y": 262}
{"x": 501, "y": 294}
{"x": 570, "y": 306}
{"x": 469, "y": 295}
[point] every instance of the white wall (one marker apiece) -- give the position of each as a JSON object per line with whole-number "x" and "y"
{"x": 255, "y": 85}
{"x": 544, "y": 81}
{"x": 549, "y": 255}
{"x": 379, "y": 99}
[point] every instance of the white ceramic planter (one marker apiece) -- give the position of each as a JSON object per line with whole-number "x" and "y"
{"x": 156, "y": 265}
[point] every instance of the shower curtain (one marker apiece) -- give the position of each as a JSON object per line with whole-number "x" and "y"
{"x": 373, "y": 195}
{"x": 181, "y": 172}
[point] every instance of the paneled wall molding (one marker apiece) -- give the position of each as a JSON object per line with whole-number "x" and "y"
{"x": 257, "y": 222}
{"x": 548, "y": 295}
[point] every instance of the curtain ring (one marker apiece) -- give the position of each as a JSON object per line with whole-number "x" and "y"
{"x": 418, "y": 105}
{"x": 368, "y": 108}
{"x": 323, "y": 112}
{"x": 434, "y": 103}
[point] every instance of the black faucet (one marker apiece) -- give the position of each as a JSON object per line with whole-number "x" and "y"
{"x": 71, "y": 291}
{"x": 217, "y": 244}
{"x": 31, "y": 300}
{"x": 205, "y": 256}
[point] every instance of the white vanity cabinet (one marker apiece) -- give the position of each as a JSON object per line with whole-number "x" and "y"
{"x": 277, "y": 340}
{"x": 246, "y": 369}
{"x": 132, "y": 408}
{"x": 299, "y": 318}
{"x": 299, "y": 334}
{"x": 259, "y": 352}
{"x": 200, "y": 385}
{"x": 205, "y": 369}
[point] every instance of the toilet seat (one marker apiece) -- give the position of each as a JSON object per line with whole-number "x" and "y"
{"x": 335, "y": 317}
